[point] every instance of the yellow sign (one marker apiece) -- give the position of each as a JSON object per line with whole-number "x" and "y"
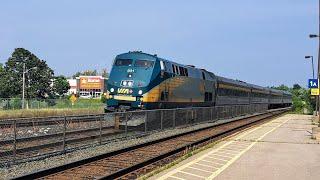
{"x": 90, "y": 83}
{"x": 315, "y": 91}
{"x": 73, "y": 99}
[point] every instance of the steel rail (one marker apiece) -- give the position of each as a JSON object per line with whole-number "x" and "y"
{"x": 59, "y": 143}
{"x": 45, "y": 121}
{"x": 126, "y": 170}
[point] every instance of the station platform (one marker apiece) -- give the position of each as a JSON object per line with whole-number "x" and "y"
{"x": 279, "y": 149}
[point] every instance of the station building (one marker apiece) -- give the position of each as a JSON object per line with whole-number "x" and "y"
{"x": 88, "y": 86}
{"x": 73, "y": 86}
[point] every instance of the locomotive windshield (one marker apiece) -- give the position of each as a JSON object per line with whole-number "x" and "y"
{"x": 123, "y": 62}
{"x": 143, "y": 63}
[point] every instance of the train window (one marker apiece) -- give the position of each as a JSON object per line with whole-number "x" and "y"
{"x": 207, "y": 96}
{"x": 123, "y": 62}
{"x": 186, "y": 71}
{"x": 162, "y": 66}
{"x": 181, "y": 71}
{"x": 143, "y": 63}
{"x": 203, "y": 76}
{"x": 162, "y": 97}
{"x": 173, "y": 69}
{"x": 222, "y": 92}
{"x": 177, "y": 70}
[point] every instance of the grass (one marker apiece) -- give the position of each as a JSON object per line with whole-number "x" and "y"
{"x": 8, "y": 114}
{"x": 58, "y": 107}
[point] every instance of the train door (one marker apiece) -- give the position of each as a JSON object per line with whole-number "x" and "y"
{"x": 164, "y": 92}
{"x": 208, "y": 84}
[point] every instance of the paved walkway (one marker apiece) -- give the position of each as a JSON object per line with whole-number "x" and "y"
{"x": 279, "y": 149}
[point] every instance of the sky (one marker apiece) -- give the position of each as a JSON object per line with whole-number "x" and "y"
{"x": 258, "y": 41}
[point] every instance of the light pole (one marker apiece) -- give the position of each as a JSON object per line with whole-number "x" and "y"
{"x": 318, "y": 74}
{"x": 308, "y": 57}
{"x": 317, "y": 36}
{"x": 24, "y": 82}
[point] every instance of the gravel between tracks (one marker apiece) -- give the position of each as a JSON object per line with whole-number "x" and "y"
{"x": 17, "y": 170}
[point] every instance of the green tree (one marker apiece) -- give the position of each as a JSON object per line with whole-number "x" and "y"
{"x": 296, "y": 87}
{"x": 38, "y": 76}
{"x": 60, "y": 86}
{"x": 301, "y": 98}
{"x": 104, "y": 73}
{"x": 85, "y": 73}
{"x": 6, "y": 83}
{"x": 282, "y": 87}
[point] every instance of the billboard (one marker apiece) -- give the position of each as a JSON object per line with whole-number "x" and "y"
{"x": 91, "y": 83}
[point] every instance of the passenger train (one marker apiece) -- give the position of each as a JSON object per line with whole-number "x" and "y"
{"x": 143, "y": 81}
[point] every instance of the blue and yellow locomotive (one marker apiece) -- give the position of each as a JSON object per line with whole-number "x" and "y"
{"x": 144, "y": 81}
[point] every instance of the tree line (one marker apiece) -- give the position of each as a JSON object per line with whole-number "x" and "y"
{"x": 40, "y": 81}
{"x": 302, "y": 101}
{"x": 104, "y": 73}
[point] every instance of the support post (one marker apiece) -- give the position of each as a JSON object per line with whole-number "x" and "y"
{"x": 174, "y": 118}
{"x": 64, "y": 133}
{"x": 14, "y": 140}
{"x": 100, "y": 130}
{"x": 126, "y": 126}
{"x": 145, "y": 122}
{"x": 318, "y": 74}
{"x": 23, "y": 83}
{"x": 161, "y": 119}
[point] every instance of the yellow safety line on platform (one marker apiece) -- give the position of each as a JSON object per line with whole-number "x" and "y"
{"x": 216, "y": 173}
{"x": 176, "y": 177}
{"x": 204, "y": 165}
{"x": 201, "y": 158}
{"x": 212, "y": 159}
{"x": 226, "y": 153}
{"x": 198, "y": 169}
{"x": 183, "y": 172}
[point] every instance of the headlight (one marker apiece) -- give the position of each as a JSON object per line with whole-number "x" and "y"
{"x": 111, "y": 90}
{"x": 140, "y": 92}
{"x": 130, "y": 83}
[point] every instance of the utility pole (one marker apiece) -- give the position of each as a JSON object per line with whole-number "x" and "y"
{"x": 319, "y": 58}
{"x": 312, "y": 67}
{"x": 23, "y": 83}
{"x": 318, "y": 73}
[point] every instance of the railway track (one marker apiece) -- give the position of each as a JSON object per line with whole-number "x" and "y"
{"x": 129, "y": 161}
{"x": 30, "y": 147}
{"x": 45, "y": 121}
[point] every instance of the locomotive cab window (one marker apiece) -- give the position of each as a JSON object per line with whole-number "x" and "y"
{"x": 164, "y": 96}
{"x": 173, "y": 69}
{"x": 186, "y": 71}
{"x": 207, "y": 96}
{"x": 177, "y": 70}
{"x": 143, "y": 63}
{"x": 181, "y": 69}
{"x": 123, "y": 62}
{"x": 203, "y": 76}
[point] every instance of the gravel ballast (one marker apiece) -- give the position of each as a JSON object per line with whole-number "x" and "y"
{"x": 25, "y": 168}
